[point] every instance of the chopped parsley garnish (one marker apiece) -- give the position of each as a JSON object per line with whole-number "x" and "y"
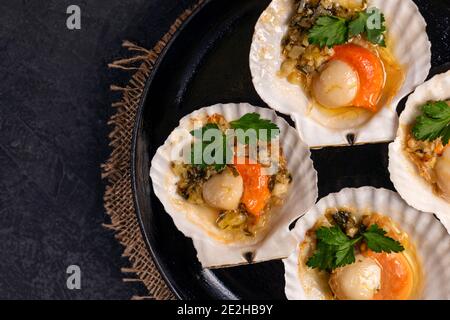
{"x": 219, "y": 141}
{"x": 358, "y": 25}
{"x": 378, "y": 242}
{"x": 330, "y": 30}
{"x": 253, "y": 121}
{"x": 434, "y": 123}
{"x": 335, "y": 249}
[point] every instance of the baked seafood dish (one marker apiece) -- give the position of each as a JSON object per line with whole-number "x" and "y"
{"x": 233, "y": 177}
{"x": 368, "y": 244}
{"x": 340, "y": 67}
{"x": 419, "y": 159}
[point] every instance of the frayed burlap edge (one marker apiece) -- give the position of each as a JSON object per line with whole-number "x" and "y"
{"x": 118, "y": 198}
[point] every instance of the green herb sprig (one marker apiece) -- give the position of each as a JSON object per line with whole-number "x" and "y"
{"x": 335, "y": 249}
{"x": 330, "y": 30}
{"x": 434, "y": 122}
{"x": 253, "y": 121}
{"x": 249, "y": 121}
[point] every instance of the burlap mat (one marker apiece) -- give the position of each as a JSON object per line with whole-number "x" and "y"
{"x": 118, "y": 199}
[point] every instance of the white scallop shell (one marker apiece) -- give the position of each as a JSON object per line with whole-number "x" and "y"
{"x": 412, "y": 49}
{"x": 278, "y": 243}
{"x": 430, "y": 237}
{"x": 411, "y": 186}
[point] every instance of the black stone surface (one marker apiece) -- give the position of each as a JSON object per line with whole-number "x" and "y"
{"x": 54, "y": 104}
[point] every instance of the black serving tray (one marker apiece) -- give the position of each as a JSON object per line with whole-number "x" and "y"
{"x": 207, "y": 63}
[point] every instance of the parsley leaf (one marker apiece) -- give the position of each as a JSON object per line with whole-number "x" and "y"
{"x": 377, "y": 240}
{"x": 433, "y": 123}
{"x": 335, "y": 249}
{"x": 250, "y": 121}
{"x": 345, "y": 255}
{"x": 329, "y": 31}
{"x": 322, "y": 258}
{"x": 358, "y": 25}
{"x": 332, "y": 236}
{"x": 253, "y": 121}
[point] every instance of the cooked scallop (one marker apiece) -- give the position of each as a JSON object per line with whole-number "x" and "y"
{"x": 415, "y": 272}
{"x": 348, "y": 89}
{"x": 212, "y": 231}
{"x": 442, "y": 170}
{"x": 224, "y": 191}
{"x": 343, "y": 90}
{"x": 337, "y": 85}
{"x": 398, "y": 276}
{"x": 357, "y": 281}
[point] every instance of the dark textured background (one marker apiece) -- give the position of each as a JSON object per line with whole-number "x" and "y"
{"x": 55, "y": 101}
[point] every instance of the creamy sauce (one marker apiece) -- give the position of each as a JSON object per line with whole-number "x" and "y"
{"x": 395, "y": 74}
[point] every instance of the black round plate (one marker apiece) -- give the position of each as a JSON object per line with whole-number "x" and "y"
{"x": 207, "y": 63}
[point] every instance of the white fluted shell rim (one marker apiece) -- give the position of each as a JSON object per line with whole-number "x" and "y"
{"x": 278, "y": 243}
{"x": 404, "y": 174}
{"x": 411, "y": 48}
{"x": 427, "y": 233}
